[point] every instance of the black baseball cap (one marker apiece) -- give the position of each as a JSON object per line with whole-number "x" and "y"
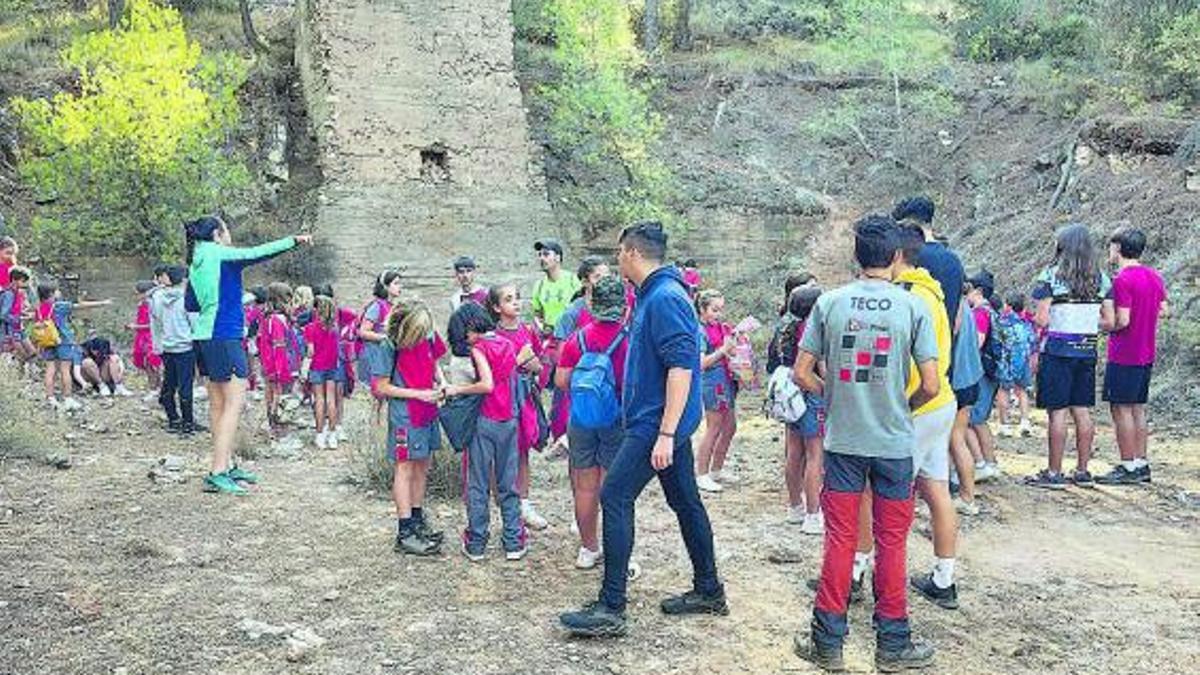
{"x": 464, "y": 262}
{"x": 984, "y": 281}
{"x": 549, "y": 245}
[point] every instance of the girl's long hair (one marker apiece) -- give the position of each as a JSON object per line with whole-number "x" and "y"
{"x": 468, "y": 318}
{"x": 408, "y": 324}
{"x": 325, "y": 310}
{"x": 201, "y": 229}
{"x": 382, "y": 282}
{"x": 1075, "y": 256}
{"x": 799, "y": 306}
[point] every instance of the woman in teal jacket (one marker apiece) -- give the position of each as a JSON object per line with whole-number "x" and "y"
{"x": 214, "y": 293}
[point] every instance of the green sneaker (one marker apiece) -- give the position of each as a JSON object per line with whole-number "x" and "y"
{"x": 221, "y": 482}
{"x": 241, "y": 475}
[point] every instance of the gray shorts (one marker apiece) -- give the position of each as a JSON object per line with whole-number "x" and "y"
{"x": 590, "y": 448}
{"x": 931, "y": 443}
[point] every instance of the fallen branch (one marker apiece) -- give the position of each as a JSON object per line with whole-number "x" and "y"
{"x": 1066, "y": 171}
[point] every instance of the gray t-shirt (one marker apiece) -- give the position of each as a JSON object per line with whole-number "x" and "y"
{"x": 868, "y": 333}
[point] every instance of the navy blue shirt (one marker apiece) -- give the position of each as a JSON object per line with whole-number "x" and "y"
{"x": 944, "y": 265}
{"x": 664, "y": 334}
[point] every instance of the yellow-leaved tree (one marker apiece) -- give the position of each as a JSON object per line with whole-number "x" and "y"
{"x": 141, "y": 145}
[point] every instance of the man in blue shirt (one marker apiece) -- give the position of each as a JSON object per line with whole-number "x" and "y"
{"x": 942, "y": 263}
{"x": 661, "y": 401}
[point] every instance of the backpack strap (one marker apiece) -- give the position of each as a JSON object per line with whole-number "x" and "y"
{"x": 612, "y": 348}
{"x": 582, "y": 343}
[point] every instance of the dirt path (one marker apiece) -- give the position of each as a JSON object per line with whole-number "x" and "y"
{"x": 103, "y": 570}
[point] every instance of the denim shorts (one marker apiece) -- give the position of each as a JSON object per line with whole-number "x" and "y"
{"x": 812, "y": 424}
{"x": 717, "y": 391}
{"x": 982, "y": 410}
{"x": 69, "y": 353}
{"x": 336, "y": 374}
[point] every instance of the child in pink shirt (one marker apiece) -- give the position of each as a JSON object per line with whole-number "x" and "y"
{"x": 144, "y": 358}
{"x": 719, "y": 389}
{"x": 504, "y": 304}
{"x": 322, "y": 371}
{"x": 493, "y": 451}
{"x": 274, "y": 349}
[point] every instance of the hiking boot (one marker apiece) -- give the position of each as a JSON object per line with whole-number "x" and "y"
{"x": 856, "y": 588}
{"x": 692, "y": 602}
{"x": 1083, "y": 479}
{"x": 596, "y": 619}
{"x": 221, "y": 482}
{"x": 410, "y": 542}
{"x": 828, "y": 659}
{"x": 911, "y": 657}
{"x": 241, "y": 475}
{"x": 946, "y": 598}
{"x": 1047, "y": 479}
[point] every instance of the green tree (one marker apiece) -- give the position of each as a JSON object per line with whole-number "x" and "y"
{"x": 140, "y": 146}
{"x": 601, "y": 116}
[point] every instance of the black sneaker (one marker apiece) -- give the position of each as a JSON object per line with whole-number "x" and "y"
{"x": 427, "y": 531}
{"x": 174, "y": 427}
{"x": 828, "y": 659}
{"x": 946, "y": 598}
{"x": 1083, "y": 479}
{"x": 912, "y": 657}
{"x": 596, "y": 619}
{"x": 194, "y": 428}
{"x": 695, "y": 603}
{"x": 1122, "y": 476}
{"x": 411, "y": 542}
{"x": 856, "y": 588}
{"x": 1047, "y": 479}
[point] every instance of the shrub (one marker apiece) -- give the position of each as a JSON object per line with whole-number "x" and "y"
{"x": 752, "y": 19}
{"x": 1005, "y": 30}
{"x": 1177, "y": 48}
{"x": 140, "y": 146}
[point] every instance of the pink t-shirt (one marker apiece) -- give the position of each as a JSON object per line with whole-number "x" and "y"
{"x": 417, "y": 365}
{"x": 598, "y": 336}
{"x": 1139, "y": 289}
{"x": 5, "y": 278}
{"x": 716, "y": 333}
{"x": 324, "y": 344}
{"x": 983, "y": 319}
{"x": 272, "y": 348}
{"x": 522, "y": 335}
{"x": 498, "y": 405}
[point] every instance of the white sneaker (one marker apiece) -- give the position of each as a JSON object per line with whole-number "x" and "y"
{"x": 341, "y": 433}
{"x": 71, "y": 404}
{"x": 966, "y": 508}
{"x": 587, "y": 559}
{"x": 727, "y": 477}
{"x": 984, "y": 472}
{"x": 200, "y": 393}
{"x": 331, "y": 440}
{"x": 150, "y": 397}
{"x": 255, "y": 395}
{"x": 1026, "y": 429}
{"x": 517, "y": 554}
{"x": 707, "y": 484}
{"x": 795, "y": 515}
{"x": 53, "y": 402}
{"x": 635, "y": 571}
{"x": 814, "y": 523}
{"x": 120, "y": 390}
{"x": 320, "y": 441}
{"x": 574, "y": 528}
{"x": 103, "y": 392}
{"x": 1006, "y": 431}
{"x": 531, "y": 517}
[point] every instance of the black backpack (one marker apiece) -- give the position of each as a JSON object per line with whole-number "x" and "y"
{"x": 990, "y": 353}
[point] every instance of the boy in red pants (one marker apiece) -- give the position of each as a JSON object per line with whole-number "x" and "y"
{"x": 868, "y": 333}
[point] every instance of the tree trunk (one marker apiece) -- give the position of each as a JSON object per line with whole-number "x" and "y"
{"x": 683, "y": 25}
{"x": 650, "y": 26}
{"x": 116, "y": 9}
{"x": 248, "y": 28}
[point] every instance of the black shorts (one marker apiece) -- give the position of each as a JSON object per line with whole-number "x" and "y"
{"x": 967, "y": 396}
{"x": 221, "y": 360}
{"x": 1127, "y": 385}
{"x": 1066, "y": 382}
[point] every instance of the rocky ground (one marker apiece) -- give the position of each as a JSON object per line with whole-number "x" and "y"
{"x": 115, "y": 562}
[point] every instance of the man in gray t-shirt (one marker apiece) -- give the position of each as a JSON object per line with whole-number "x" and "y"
{"x": 867, "y": 334}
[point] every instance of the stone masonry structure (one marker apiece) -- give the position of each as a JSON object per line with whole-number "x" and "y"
{"x": 423, "y": 141}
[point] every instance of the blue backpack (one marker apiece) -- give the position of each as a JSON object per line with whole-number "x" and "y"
{"x": 594, "y": 403}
